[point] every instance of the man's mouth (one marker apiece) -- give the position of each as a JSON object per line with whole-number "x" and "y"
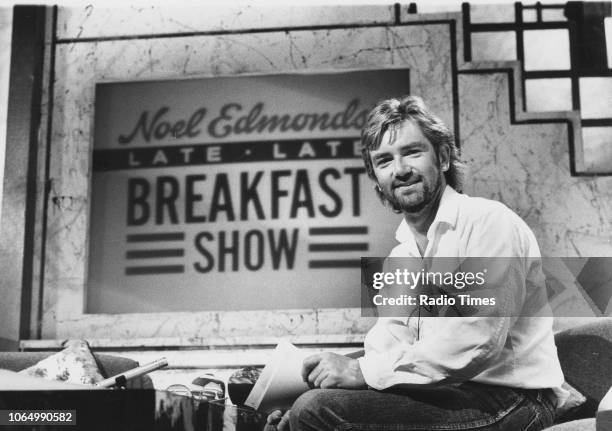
{"x": 403, "y": 184}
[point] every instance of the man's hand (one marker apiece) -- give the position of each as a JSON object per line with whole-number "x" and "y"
{"x": 278, "y": 421}
{"x": 330, "y": 370}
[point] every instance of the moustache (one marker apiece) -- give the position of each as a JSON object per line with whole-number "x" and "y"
{"x": 397, "y": 184}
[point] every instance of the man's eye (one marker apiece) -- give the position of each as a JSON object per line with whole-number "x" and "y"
{"x": 382, "y": 162}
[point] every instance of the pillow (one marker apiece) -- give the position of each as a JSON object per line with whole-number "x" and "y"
{"x": 74, "y": 364}
{"x": 571, "y": 406}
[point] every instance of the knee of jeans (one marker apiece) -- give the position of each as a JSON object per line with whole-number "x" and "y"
{"x": 308, "y": 407}
{"x": 309, "y": 402}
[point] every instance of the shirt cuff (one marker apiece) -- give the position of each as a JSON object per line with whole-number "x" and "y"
{"x": 376, "y": 371}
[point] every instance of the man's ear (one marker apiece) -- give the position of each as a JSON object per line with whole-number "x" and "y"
{"x": 444, "y": 157}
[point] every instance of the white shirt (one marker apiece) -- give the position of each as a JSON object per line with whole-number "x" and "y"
{"x": 508, "y": 351}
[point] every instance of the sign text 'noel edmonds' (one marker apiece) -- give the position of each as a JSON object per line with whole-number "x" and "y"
{"x": 234, "y": 119}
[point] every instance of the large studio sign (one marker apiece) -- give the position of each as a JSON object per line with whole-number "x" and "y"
{"x": 234, "y": 193}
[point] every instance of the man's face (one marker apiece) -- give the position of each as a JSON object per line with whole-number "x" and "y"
{"x": 407, "y": 167}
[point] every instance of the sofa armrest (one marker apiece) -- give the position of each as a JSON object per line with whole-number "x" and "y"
{"x": 603, "y": 419}
{"x": 17, "y": 361}
{"x": 585, "y": 353}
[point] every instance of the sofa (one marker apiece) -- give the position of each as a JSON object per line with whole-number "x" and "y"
{"x": 585, "y": 353}
{"x": 108, "y": 365}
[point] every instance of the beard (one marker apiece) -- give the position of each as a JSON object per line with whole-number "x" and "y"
{"x": 414, "y": 198}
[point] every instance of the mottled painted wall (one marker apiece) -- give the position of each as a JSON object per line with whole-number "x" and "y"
{"x": 526, "y": 167}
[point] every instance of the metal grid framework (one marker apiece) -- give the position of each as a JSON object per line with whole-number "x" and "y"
{"x": 598, "y": 67}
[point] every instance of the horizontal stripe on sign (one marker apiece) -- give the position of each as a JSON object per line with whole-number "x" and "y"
{"x": 147, "y": 237}
{"x": 150, "y": 254}
{"x": 338, "y": 263}
{"x": 151, "y": 270}
{"x": 338, "y": 230}
{"x": 349, "y": 246}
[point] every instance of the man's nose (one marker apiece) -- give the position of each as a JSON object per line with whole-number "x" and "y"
{"x": 400, "y": 167}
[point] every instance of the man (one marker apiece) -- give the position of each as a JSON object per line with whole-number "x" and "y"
{"x": 486, "y": 373}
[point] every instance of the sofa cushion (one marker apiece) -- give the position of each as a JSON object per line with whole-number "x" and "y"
{"x": 74, "y": 364}
{"x": 109, "y": 365}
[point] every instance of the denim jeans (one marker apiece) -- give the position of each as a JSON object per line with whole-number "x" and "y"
{"x": 466, "y": 406}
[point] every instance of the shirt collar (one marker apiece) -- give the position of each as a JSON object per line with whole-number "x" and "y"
{"x": 447, "y": 213}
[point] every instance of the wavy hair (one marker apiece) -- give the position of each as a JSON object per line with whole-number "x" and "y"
{"x": 392, "y": 112}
